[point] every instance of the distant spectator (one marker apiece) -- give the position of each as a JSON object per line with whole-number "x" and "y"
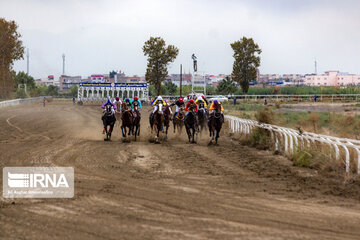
{"x": 229, "y": 96}
{"x": 265, "y": 102}
{"x": 315, "y": 98}
{"x": 234, "y": 100}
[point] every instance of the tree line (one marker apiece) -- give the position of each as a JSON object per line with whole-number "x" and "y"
{"x": 159, "y": 56}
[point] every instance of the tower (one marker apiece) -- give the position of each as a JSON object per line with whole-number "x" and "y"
{"x": 63, "y": 57}
{"x": 315, "y": 67}
{"x": 27, "y": 61}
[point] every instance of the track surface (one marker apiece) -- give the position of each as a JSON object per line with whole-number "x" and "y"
{"x": 174, "y": 190}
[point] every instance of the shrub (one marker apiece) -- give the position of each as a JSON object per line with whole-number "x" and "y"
{"x": 260, "y": 138}
{"x": 264, "y": 115}
{"x": 314, "y": 119}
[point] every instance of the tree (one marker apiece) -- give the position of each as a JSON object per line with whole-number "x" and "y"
{"x": 171, "y": 88}
{"x": 23, "y": 78}
{"x": 11, "y": 49}
{"x": 159, "y": 56}
{"x": 52, "y": 90}
{"x": 227, "y": 85}
{"x": 246, "y": 62}
{"x": 74, "y": 91}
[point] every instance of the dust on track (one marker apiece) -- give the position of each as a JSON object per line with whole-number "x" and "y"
{"x": 173, "y": 190}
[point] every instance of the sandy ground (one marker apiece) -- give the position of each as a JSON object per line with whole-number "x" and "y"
{"x": 173, "y": 190}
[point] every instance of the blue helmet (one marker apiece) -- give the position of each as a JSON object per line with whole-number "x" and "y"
{"x": 216, "y": 101}
{"x": 127, "y": 100}
{"x": 108, "y": 101}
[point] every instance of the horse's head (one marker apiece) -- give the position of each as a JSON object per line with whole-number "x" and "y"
{"x": 124, "y": 106}
{"x": 108, "y": 109}
{"x": 218, "y": 107}
{"x": 160, "y": 107}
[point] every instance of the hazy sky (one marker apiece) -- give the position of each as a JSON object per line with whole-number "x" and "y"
{"x": 99, "y": 36}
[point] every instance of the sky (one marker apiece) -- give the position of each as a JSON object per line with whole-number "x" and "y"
{"x": 99, "y": 36}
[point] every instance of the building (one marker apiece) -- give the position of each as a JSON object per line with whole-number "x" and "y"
{"x": 66, "y": 82}
{"x": 97, "y": 78}
{"x": 333, "y": 78}
{"x": 45, "y": 81}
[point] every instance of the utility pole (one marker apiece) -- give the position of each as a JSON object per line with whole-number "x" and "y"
{"x": 63, "y": 57}
{"x": 27, "y": 61}
{"x": 181, "y": 80}
{"x": 315, "y": 67}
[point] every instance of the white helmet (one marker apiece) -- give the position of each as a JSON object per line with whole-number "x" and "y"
{"x": 159, "y": 98}
{"x": 199, "y": 98}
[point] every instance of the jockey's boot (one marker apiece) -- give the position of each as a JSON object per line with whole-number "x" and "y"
{"x": 103, "y": 131}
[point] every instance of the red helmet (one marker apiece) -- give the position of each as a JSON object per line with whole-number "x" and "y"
{"x": 192, "y": 100}
{"x": 117, "y": 98}
{"x": 203, "y": 96}
{"x": 136, "y": 98}
{"x": 181, "y": 100}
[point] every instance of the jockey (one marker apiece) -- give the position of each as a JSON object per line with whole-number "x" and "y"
{"x": 179, "y": 103}
{"x": 136, "y": 99}
{"x": 155, "y": 104}
{"x": 117, "y": 102}
{"x": 128, "y": 103}
{"x": 204, "y": 98}
{"x": 214, "y": 105}
{"x": 189, "y": 105}
{"x": 108, "y": 102}
{"x": 202, "y": 104}
{"x": 136, "y": 102}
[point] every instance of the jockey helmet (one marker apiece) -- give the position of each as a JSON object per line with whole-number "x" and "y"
{"x": 159, "y": 98}
{"x": 181, "y": 100}
{"x": 191, "y": 100}
{"x": 117, "y": 98}
{"x": 108, "y": 101}
{"x": 203, "y": 97}
{"x": 216, "y": 101}
{"x": 136, "y": 98}
{"x": 127, "y": 100}
{"x": 166, "y": 100}
{"x": 199, "y": 98}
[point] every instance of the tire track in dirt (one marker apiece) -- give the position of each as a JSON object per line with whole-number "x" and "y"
{"x": 174, "y": 190}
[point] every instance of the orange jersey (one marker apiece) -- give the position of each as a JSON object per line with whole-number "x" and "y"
{"x": 213, "y": 107}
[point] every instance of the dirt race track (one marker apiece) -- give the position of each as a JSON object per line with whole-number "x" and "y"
{"x": 173, "y": 190}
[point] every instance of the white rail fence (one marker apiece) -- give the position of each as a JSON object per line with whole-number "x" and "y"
{"x": 290, "y": 140}
{"x": 19, "y": 101}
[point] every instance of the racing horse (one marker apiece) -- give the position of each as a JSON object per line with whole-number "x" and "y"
{"x": 191, "y": 125}
{"x": 202, "y": 117}
{"x": 156, "y": 122}
{"x": 179, "y": 120}
{"x": 108, "y": 120}
{"x": 215, "y": 124}
{"x": 118, "y": 112}
{"x": 167, "y": 119}
{"x": 126, "y": 119}
{"x": 137, "y": 119}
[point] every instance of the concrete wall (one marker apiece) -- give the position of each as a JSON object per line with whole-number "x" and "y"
{"x": 19, "y": 101}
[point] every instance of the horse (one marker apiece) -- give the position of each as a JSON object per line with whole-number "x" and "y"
{"x": 167, "y": 119}
{"x": 108, "y": 120}
{"x": 202, "y": 117}
{"x": 215, "y": 124}
{"x": 156, "y": 122}
{"x": 118, "y": 112}
{"x": 179, "y": 120}
{"x": 191, "y": 124}
{"x": 137, "y": 119}
{"x": 126, "y": 119}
